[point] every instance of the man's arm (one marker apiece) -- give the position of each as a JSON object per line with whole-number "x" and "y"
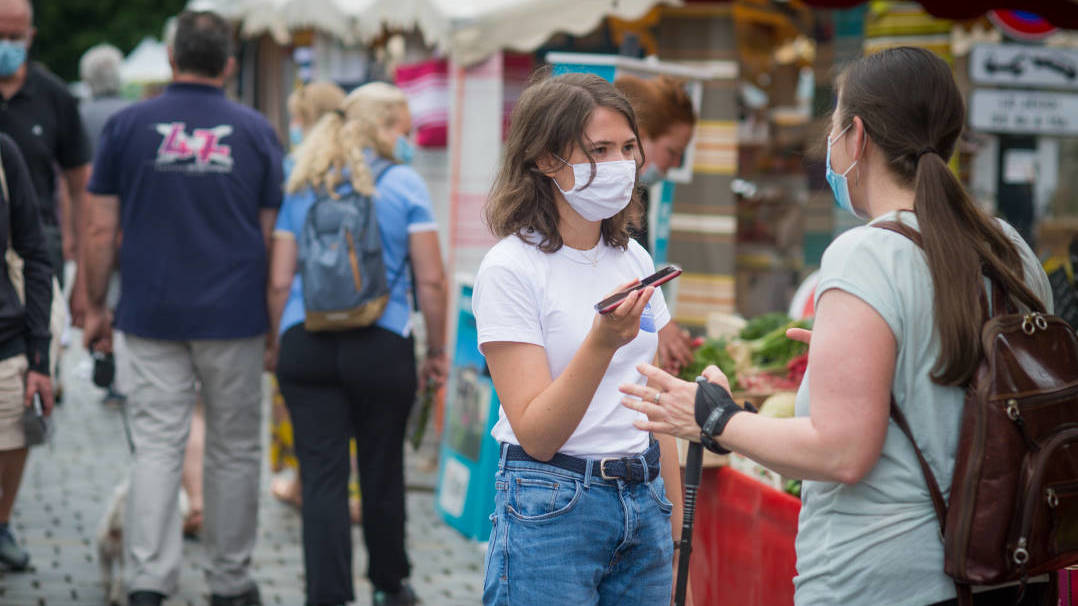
{"x": 267, "y": 218}
{"x": 28, "y": 240}
{"x": 98, "y": 258}
{"x": 73, "y": 219}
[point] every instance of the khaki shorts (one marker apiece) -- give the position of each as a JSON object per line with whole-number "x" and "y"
{"x": 12, "y": 388}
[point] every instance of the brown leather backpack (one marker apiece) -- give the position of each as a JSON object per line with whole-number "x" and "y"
{"x": 1013, "y": 511}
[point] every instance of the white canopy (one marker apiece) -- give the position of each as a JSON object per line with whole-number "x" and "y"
{"x": 148, "y": 62}
{"x": 468, "y": 30}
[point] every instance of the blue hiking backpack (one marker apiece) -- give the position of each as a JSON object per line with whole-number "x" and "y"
{"x": 340, "y": 258}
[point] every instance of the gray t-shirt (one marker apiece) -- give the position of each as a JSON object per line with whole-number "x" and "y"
{"x": 878, "y": 541}
{"x": 96, "y": 112}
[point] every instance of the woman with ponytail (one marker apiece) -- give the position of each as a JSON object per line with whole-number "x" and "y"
{"x": 892, "y": 319}
{"x": 358, "y": 383}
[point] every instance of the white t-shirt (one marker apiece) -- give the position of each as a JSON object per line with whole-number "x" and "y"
{"x": 527, "y": 296}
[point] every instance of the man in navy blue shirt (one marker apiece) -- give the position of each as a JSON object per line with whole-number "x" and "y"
{"x": 194, "y": 181}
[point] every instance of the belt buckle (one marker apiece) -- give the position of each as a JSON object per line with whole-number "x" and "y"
{"x": 602, "y": 467}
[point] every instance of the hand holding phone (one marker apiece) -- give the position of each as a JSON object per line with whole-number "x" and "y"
{"x": 656, "y": 279}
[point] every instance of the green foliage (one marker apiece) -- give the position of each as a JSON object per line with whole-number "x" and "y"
{"x": 66, "y": 28}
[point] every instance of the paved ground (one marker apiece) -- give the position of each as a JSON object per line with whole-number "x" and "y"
{"x": 67, "y": 486}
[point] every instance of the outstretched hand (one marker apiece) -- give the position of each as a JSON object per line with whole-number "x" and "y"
{"x": 672, "y": 408}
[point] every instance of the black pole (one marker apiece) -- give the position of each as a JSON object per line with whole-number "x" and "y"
{"x": 693, "y": 467}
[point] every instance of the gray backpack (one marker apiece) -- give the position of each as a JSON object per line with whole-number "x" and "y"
{"x": 340, "y": 258}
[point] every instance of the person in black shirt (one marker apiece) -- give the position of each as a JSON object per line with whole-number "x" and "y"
{"x": 38, "y": 112}
{"x": 24, "y": 335}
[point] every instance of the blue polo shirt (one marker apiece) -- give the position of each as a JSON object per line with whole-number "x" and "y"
{"x": 192, "y": 171}
{"x": 402, "y": 207}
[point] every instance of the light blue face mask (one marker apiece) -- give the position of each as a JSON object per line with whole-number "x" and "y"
{"x": 12, "y": 56}
{"x": 404, "y": 150}
{"x": 651, "y": 175}
{"x": 837, "y": 181}
{"x": 295, "y": 135}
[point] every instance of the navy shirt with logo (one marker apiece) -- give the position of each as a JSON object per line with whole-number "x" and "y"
{"x": 192, "y": 171}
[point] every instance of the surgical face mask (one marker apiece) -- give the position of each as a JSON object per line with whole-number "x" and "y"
{"x": 837, "y": 181}
{"x": 295, "y": 135}
{"x": 12, "y": 56}
{"x": 609, "y": 192}
{"x": 404, "y": 150}
{"x": 651, "y": 175}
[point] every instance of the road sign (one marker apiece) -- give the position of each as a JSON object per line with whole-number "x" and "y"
{"x": 1024, "y": 112}
{"x": 1025, "y": 66}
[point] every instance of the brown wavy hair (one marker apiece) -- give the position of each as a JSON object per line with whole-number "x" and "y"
{"x": 659, "y": 102}
{"x": 550, "y": 118}
{"x": 912, "y": 110}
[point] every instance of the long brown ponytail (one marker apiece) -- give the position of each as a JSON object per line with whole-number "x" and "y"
{"x": 913, "y": 111}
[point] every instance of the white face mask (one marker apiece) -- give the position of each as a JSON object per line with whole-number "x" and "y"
{"x": 609, "y": 192}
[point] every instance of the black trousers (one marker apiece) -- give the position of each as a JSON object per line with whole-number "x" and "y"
{"x": 337, "y": 385}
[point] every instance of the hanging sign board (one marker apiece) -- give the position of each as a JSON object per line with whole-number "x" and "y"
{"x": 1025, "y": 66}
{"x": 1024, "y": 112}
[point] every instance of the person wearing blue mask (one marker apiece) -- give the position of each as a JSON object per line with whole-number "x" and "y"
{"x": 43, "y": 118}
{"x": 306, "y": 105}
{"x": 394, "y": 117}
{"x": 667, "y": 120}
{"x": 896, "y": 326}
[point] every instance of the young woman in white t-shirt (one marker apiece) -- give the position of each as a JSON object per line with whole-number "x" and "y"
{"x": 585, "y": 501}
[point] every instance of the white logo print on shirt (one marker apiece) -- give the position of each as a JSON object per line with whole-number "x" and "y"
{"x": 203, "y": 146}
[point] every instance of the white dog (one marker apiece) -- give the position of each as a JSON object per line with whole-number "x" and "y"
{"x": 110, "y": 544}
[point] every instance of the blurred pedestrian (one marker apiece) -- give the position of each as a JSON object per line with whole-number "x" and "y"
{"x": 43, "y": 118}
{"x": 194, "y": 180}
{"x": 896, "y": 326}
{"x": 24, "y": 333}
{"x": 584, "y": 505}
{"x": 666, "y": 120}
{"x": 99, "y": 69}
{"x": 360, "y": 382}
{"x": 306, "y": 105}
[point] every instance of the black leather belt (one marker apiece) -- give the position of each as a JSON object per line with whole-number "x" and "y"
{"x": 629, "y": 469}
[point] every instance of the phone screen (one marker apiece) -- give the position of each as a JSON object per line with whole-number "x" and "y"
{"x": 658, "y": 278}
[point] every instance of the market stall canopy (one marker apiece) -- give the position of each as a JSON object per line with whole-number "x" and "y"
{"x": 1061, "y": 13}
{"x": 148, "y": 62}
{"x": 467, "y": 30}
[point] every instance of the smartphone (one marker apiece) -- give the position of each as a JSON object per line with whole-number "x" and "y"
{"x": 658, "y": 278}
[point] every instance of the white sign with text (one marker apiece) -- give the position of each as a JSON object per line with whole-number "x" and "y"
{"x": 1025, "y": 112}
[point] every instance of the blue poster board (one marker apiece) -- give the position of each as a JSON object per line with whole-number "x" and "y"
{"x": 468, "y": 455}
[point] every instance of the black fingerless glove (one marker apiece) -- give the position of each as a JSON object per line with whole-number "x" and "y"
{"x": 714, "y": 409}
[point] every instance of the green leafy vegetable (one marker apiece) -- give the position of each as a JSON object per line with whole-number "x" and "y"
{"x": 763, "y": 324}
{"x": 774, "y": 350}
{"x": 713, "y": 351}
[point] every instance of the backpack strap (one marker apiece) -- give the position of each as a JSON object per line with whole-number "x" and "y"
{"x": 965, "y": 595}
{"x": 379, "y": 167}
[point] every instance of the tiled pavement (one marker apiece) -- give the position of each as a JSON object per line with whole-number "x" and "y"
{"x": 68, "y": 484}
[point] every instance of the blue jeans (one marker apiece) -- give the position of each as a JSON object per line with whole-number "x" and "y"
{"x": 567, "y": 538}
